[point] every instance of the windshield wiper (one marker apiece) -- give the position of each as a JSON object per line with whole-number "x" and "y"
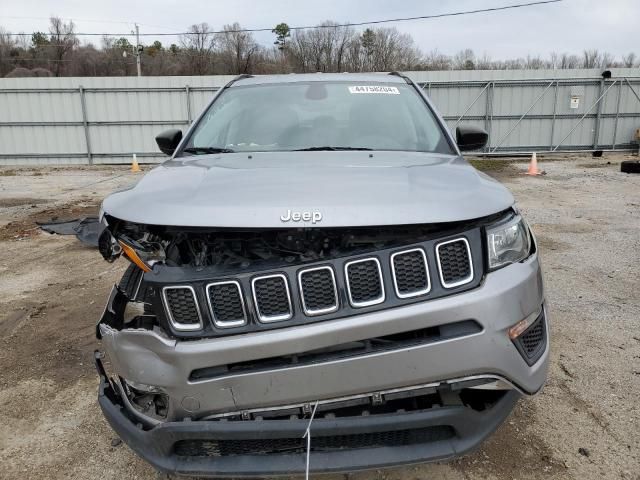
{"x": 329, "y": 149}
{"x": 205, "y": 150}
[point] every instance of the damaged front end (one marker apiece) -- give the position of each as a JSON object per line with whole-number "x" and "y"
{"x": 201, "y": 282}
{"x": 220, "y": 342}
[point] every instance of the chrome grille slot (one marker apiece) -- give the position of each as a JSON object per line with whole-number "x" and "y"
{"x": 226, "y": 304}
{"x": 364, "y": 282}
{"x": 182, "y": 309}
{"x": 410, "y": 273}
{"x": 318, "y": 290}
{"x": 272, "y": 298}
{"x": 454, "y": 262}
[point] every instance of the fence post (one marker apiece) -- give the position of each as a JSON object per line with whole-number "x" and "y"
{"x": 596, "y": 130}
{"x": 187, "y": 91}
{"x": 85, "y": 125}
{"x": 553, "y": 120}
{"x": 488, "y": 114}
{"x": 615, "y": 125}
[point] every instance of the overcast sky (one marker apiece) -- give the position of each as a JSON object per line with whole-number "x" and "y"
{"x": 569, "y": 26}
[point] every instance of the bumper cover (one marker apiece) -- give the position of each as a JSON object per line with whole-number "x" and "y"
{"x": 149, "y": 357}
{"x": 157, "y": 445}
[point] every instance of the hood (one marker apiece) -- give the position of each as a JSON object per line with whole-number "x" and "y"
{"x": 357, "y": 188}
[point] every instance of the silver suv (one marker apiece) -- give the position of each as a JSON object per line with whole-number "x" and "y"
{"x": 317, "y": 256}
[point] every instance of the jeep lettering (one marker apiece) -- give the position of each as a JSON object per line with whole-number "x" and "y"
{"x": 313, "y": 217}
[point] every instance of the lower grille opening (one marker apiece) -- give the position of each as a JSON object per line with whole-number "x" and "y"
{"x": 298, "y": 445}
{"x": 398, "y": 403}
{"x": 420, "y": 398}
{"x": 345, "y": 350}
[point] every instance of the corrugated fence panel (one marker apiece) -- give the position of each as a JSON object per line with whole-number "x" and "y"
{"x": 108, "y": 119}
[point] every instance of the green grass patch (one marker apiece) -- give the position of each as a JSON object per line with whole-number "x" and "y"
{"x": 490, "y": 164}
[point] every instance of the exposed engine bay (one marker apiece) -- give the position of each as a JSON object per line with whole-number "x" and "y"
{"x": 201, "y": 247}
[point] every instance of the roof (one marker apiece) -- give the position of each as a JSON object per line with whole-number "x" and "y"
{"x": 319, "y": 77}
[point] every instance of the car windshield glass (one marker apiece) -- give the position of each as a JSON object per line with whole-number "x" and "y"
{"x": 318, "y": 116}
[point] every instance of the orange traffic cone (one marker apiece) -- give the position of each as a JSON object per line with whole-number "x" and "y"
{"x": 135, "y": 168}
{"x": 533, "y": 166}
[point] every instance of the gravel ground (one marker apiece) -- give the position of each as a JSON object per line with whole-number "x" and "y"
{"x": 584, "y": 424}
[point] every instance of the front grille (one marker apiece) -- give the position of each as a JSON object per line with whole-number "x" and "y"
{"x": 182, "y": 308}
{"x": 227, "y": 306}
{"x": 532, "y": 342}
{"x": 339, "y": 286}
{"x": 272, "y": 298}
{"x": 454, "y": 262}
{"x": 410, "y": 273}
{"x": 274, "y": 446}
{"x": 318, "y": 290}
{"x": 364, "y": 282}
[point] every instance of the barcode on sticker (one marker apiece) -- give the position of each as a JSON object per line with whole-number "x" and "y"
{"x": 374, "y": 89}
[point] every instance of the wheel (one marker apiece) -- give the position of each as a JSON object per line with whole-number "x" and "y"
{"x": 630, "y": 166}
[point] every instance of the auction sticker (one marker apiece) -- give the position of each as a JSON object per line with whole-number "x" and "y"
{"x": 374, "y": 89}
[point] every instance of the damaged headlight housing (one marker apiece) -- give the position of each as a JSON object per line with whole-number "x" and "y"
{"x": 508, "y": 242}
{"x": 143, "y": 258}
{"x": 142, "y": 252}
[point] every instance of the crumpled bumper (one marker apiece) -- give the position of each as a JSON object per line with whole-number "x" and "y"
{"x": 439, "y": 434}
{"x": 505, "y": 297}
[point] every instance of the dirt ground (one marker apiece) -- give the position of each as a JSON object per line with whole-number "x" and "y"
{"x": 584, "y": 424}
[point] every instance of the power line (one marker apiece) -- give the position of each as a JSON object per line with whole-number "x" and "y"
{"x": 307, "y": 27}
{"x": 91, "y": 20}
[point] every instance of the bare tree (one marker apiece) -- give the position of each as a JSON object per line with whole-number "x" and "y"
{"x": 534, "y": 63}
{"x": 199, "y": 44}
{"x": 63, "y": 40}
{"x": 569, "y": 61}
{"x": 8, "y": 52}
{"x": 607, "y": 60}
{"x": 484, "y": 62}
{"x": 237, "y": 49}
{"x": 329, "y": 47}
{"x": 629, "y": 60}
{"x": 591, "y": 58}
{"x": 434, "y": 60}
{"x": 464, "y": 60}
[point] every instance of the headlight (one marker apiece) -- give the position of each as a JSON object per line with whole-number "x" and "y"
{"x": 509, "y": 242}
{"x": 142, "y": 257}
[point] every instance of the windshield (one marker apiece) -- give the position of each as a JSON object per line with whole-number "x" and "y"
{"x": 318, "y": 116}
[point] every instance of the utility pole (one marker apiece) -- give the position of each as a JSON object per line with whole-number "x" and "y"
{"x": 138, "y": 50}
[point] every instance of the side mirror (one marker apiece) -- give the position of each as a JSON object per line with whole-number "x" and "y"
{"x": 168, "y": 141}
{"x": 469, "y": 137}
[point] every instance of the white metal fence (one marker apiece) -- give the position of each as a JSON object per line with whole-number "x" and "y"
{"x": 107, "y": 119}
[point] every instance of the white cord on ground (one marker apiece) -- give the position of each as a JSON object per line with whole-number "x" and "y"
{"x": 307, "y": 435}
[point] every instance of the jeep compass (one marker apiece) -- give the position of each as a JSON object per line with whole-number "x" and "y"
{"x": 317, "y": 275}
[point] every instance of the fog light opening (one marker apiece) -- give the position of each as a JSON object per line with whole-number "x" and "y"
{"x": 146, "y": 399}
{"x": 520, "y": 327}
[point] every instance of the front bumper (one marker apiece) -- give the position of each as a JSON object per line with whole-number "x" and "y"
{"x": 149, "y": 357}
{"x": 446, "y": 432}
